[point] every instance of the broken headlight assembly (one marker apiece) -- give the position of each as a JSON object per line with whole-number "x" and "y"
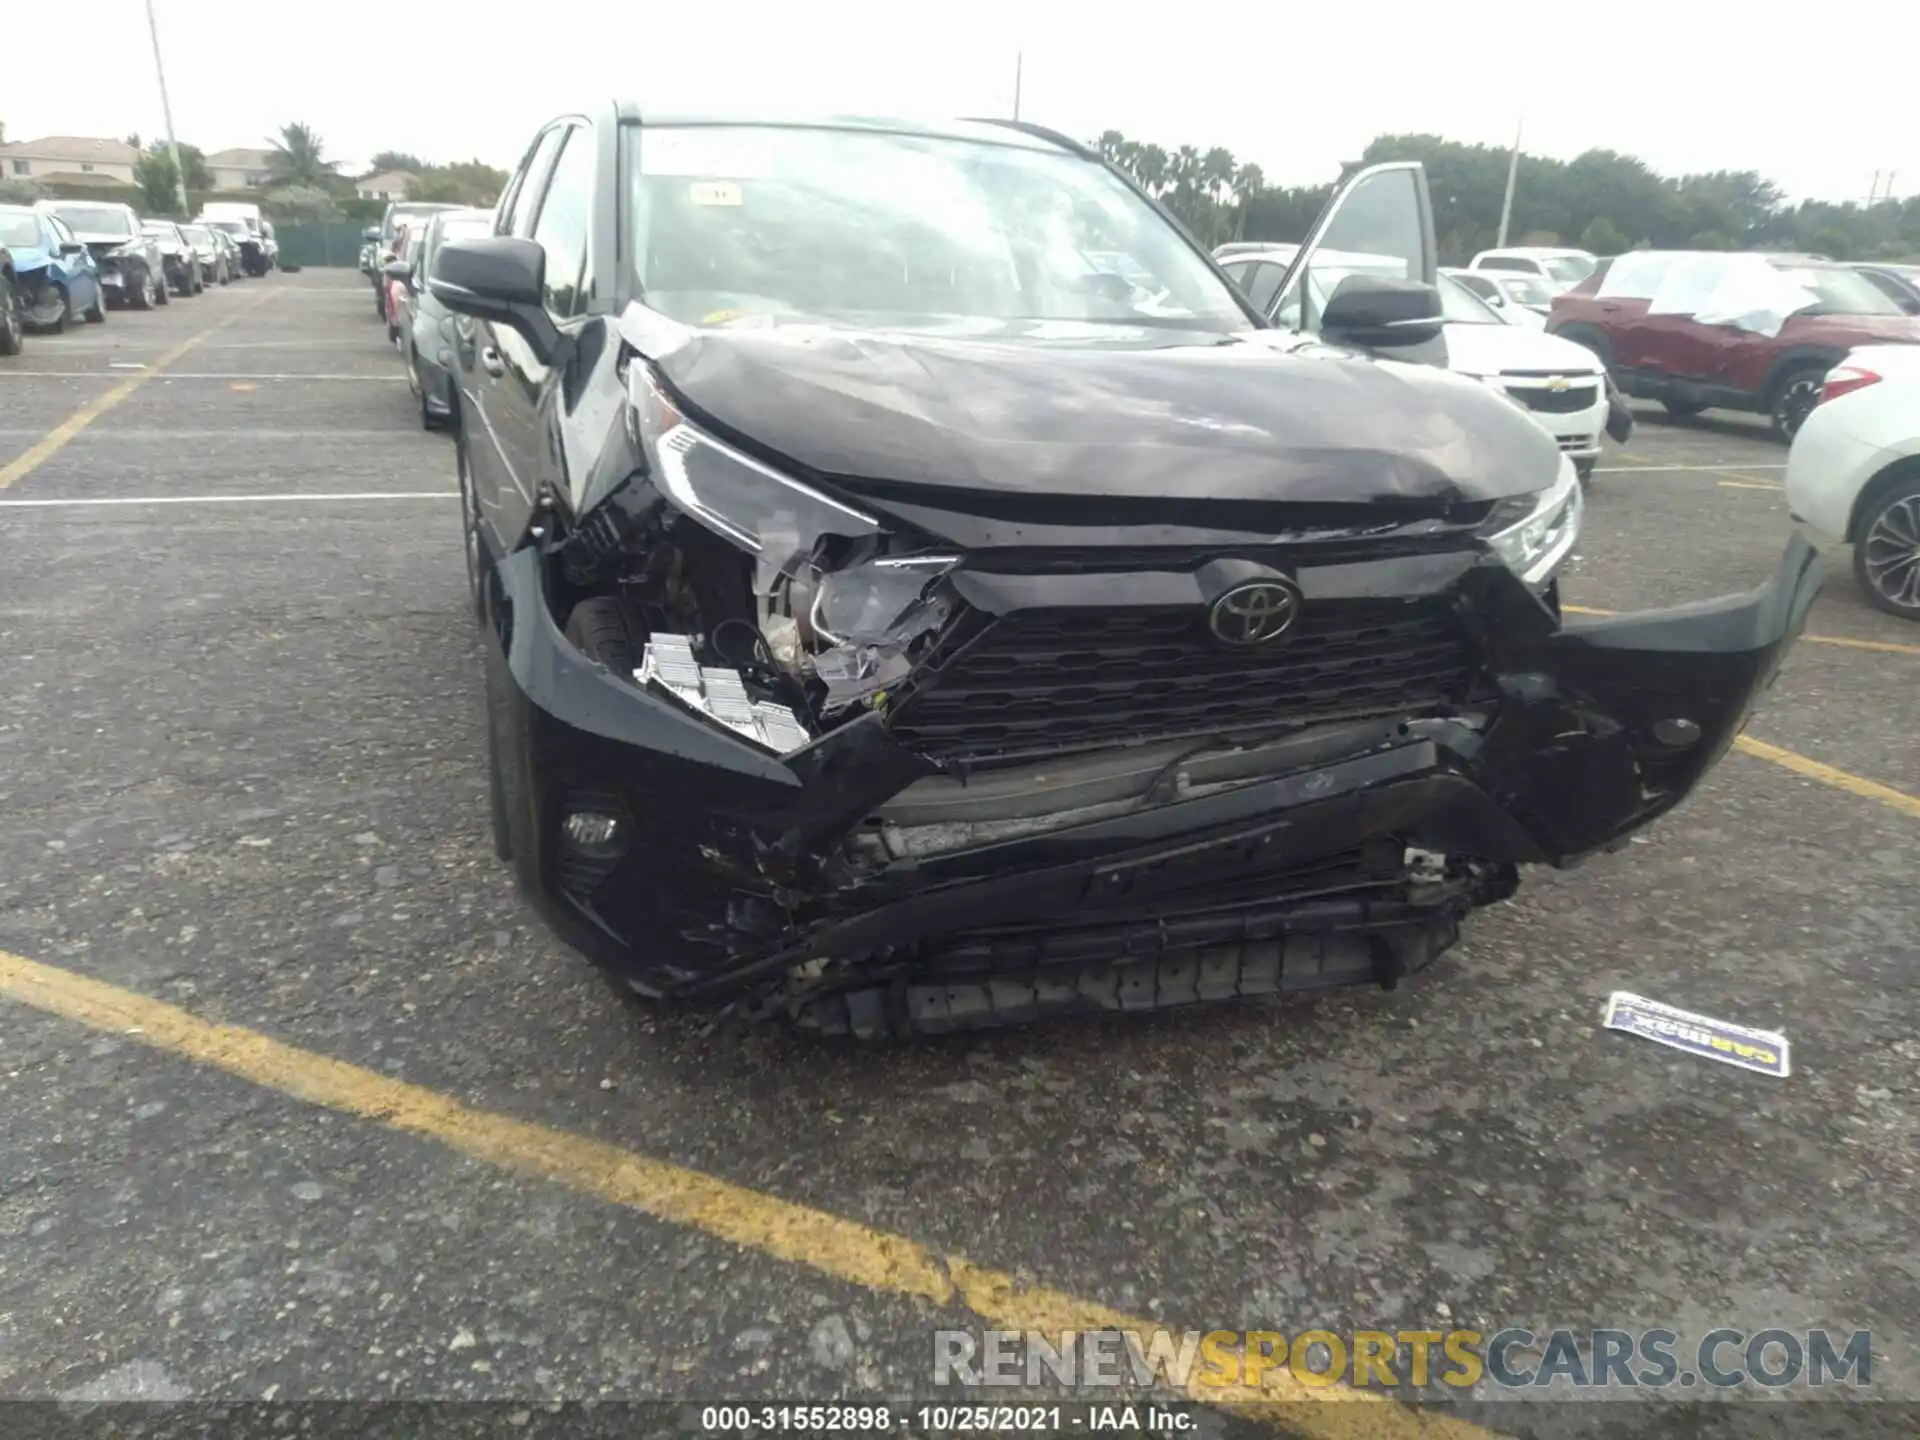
{"x": 1535, "y": 532}
{"x": 842, "y": 606}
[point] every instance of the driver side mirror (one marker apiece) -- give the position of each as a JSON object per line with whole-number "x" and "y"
{"x": 72, "y": 247}
{"x": 397, "y": 270}
{"x": 1379, "y": 312}
{"x": 498, "y": 278}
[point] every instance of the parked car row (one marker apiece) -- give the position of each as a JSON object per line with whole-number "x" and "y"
{"x": 68, "y": 260}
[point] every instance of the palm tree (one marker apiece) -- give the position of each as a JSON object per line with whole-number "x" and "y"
{"x": 297, "y": 158}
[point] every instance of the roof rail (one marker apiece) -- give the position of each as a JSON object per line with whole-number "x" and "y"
{"x": 1038, "y": 132}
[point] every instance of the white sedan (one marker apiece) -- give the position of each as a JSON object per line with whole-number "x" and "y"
{"x": 1853, "y": 474}
{"x": 1562, "y": 385}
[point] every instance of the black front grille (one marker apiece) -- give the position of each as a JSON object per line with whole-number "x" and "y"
{"x": 1041, "y": 682}
{"x": 1556, "y": 402}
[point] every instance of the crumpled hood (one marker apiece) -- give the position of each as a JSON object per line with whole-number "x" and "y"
{"x": 1094, "y": 412}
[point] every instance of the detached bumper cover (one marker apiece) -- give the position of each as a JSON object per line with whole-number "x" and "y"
{"x": 1596, "y": 728}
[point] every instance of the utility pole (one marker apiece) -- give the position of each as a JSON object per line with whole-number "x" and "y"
{"x": 1513, "y": 171}
{"x": 1017, "y": 57}
{"x": 166, "y": 111}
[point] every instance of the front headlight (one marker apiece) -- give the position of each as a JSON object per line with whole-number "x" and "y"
{"x": 1534, "y": 545}
{"x": 845, "y": 605}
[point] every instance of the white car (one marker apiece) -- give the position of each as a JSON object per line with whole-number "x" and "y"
{"x": 1517, "y": 299}
{"x": 1563, "y": 269}
{"x": 1562, "y": 385}
{"x": 1853, "y": 474}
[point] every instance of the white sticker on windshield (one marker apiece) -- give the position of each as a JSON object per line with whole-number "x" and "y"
{"x": 714, "y": 192}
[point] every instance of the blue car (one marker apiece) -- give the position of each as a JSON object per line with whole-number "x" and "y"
{"x": 54, "y": 277}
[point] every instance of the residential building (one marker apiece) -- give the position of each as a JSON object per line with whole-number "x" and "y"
{"x": 387, "y": 185}
{"x": 241, "y": 169}
{"x": 69, "y": 159}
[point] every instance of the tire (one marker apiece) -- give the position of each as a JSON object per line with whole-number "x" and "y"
{"x": 98, "y": 314}
{"x": 1584, "y": 469}
{"x": 1683, "y": 409}
{"x": 58, "y": 325}
{"x": 10, "y": 327}
{"x": 161, "y": 294}
{"x": 598, "y": 628}
{"x": 1794, "y": 396}
{"x": 1886, "y": 557}
{"x": 140, "y": 297}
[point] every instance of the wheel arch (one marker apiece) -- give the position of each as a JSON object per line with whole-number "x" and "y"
{"x": 1907, "y": 467}
{"x": 1792, "y": 361}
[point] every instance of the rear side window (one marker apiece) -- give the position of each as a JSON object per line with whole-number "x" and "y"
{"x": 561, "y": 229}
{"x": 1479, "y": 284}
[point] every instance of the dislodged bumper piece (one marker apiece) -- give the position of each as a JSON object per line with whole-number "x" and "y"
{"x": 709, "y": 864}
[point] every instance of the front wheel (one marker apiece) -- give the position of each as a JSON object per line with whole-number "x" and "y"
{"x": 470, "y": 526}
{"x": 1584, "y": 469}
{"x": 140, "y": 292}
{"x": 54, "y": 308}
{"x": 1886, "y": 561}
{"x": 1794, "y": 399}
{"x": 161, "y": 294}
{"x": 10, "y": 327}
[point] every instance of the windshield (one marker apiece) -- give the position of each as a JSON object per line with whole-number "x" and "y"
{"x": 1526, "y": 289}
{"x": 197, "y": 234}
{"x": 230, "y": 227}
{"x": 758, "y": 224}
{"x": 1569, "y": 269}
{"x": 1460, "y": 306}
{"x": 1839, "y": 292}
{"x": 18, "y": 229}
{"x": 95, "y": 219}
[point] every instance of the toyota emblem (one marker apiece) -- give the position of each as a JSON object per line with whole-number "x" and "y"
{"x": 1256, "y": 614}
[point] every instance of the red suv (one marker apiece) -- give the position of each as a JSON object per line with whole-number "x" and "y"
{"x": 1699, "y": 329}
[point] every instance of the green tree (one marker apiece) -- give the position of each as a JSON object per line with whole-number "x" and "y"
{"x": 395, "y": 160}
{"x": 302, "y": 202}
{"x": 299, "y": 158}
{"x": 158, "y": 182}
{"x": 1603, "y": 237}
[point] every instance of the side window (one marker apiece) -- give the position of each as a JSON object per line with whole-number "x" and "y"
{"x": 517, "y": 216}
{"x": 1264, "y": 283}
{"x": 561, "y": 229}
{"x": 1479, "y": 284}
{"x": 1237, "y": 273}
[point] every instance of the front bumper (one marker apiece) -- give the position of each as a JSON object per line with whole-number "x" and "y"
{"x": 739, "y": 870}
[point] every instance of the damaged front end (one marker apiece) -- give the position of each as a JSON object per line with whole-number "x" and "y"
{"x": 855, "y": 772}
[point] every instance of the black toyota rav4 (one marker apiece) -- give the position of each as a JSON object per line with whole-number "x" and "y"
{"x": 919, "y": 592}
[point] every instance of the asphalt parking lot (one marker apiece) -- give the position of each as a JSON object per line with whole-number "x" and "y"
{"x": 241, "y": 775}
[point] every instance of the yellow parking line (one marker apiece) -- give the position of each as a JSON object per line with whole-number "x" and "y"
{"x": 55, "y": 439}
{"x": 1829, "y": 775}
{"x": 842, "y": 1249}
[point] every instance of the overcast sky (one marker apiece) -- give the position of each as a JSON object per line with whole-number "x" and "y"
{"x": 1686, "y": 84}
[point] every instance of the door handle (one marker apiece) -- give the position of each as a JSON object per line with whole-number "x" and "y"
{"x": 491, "y": 362}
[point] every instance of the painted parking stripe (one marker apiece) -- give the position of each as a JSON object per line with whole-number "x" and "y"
{"x": 828, "y": 1244}
{"x": 277, "y": 499}
{"x": 1829, "y": 775}
{"x": 1678, "y": 469}
{"x": 55, "y": 439}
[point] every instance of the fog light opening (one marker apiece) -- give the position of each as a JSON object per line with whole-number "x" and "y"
{"x": 593, "y": 831}
{"x": 1676, "y": 734}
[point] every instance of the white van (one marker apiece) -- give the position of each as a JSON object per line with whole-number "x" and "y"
{"x": 1562, "y": 269}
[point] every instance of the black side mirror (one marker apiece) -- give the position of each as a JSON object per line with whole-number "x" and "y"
{"x": 396, "y": 270}
{"x": 498, "y": 278}
{"x": 1379, "y": 312}
{"x": 72, "y": 247}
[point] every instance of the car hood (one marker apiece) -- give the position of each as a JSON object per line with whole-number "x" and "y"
{"x": 1047, "y": 410}
{"x": 1489, "y": 349}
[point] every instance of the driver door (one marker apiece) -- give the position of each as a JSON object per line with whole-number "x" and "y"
{"x": 1383, "y": 214}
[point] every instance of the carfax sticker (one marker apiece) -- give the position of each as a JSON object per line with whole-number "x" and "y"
{"x": 1763, "y": 1050}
